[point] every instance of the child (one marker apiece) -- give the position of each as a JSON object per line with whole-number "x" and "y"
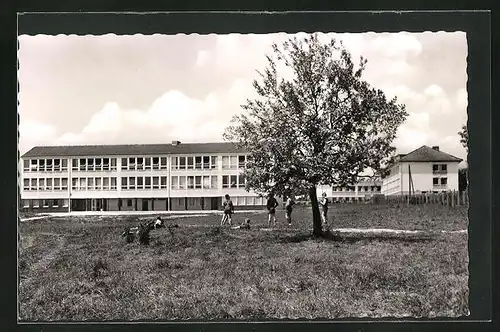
{"x": 324, "y": 208}
{"x": 271, "y": 205}
{"x": 289, "y": 207}
{"x": 244, "y": 225}
{"x": 158, "y": 223}
{"x": 228, "y": 210}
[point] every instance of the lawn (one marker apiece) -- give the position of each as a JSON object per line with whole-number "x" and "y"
{"x": 79, "y": 268}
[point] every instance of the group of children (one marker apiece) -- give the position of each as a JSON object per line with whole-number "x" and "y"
{"x": 271, "y": 206}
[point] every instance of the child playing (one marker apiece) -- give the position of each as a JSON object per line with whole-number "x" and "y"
{"x": 288, "y": 208}
{"x": 324, "y": 208}
{"x": 271, "y": 205}
{"x": 228, "y": 210}
{"x": 244, "y": 225}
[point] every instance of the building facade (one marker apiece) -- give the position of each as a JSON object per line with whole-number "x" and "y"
{"x": 424, "y": 170}
{"x": 163, "y": 177}
{"x": 363, "y": 190}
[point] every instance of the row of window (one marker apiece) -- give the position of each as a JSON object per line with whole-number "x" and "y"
{"x": 360, "y": 189}
{"x": 42, "y": 184}
{"x": 144, "y": 182}
{"x": 143, "y": 163}
{"x": 45, "y": 165}
{"x": 439, "y": 168}
{"x": 46, "y": 203}
{"x": 439, "y": 182}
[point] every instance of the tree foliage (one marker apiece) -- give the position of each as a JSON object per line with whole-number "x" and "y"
{"x": 464, "y": 137}
{"x": 322, "y": 125}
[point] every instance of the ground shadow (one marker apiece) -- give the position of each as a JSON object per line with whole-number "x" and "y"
{"x": 352, "y": 238}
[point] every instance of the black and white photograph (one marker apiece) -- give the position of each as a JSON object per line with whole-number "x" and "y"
{"x": 243, "y": 177}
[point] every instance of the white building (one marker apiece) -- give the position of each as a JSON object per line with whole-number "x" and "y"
{"x": 425, "y": 170}
{"x": 361, "y": 191}
{"x": 156, "y": 177}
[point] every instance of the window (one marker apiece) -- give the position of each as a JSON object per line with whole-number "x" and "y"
{"x": 225, "y": 181}
{"x": 34, "y": 165}
{"x": 131, "y": 183}
{"x": 98, "y": 164}
{"x": 41, "y": 165}
{"x": 26, "y": 165}
{"x": 83, "y": 183}
{"x": 240, "y": 200}
{"x": 129, "y": 202}
{"x": 131, "y": 163}
{"x": 36, "y": 203}
{"x": 45, "y": 203}
{"x": 48, "y": 184}
{"x": 191, "y": 201}
{"x": 124, "y": 164}
{"x": 90, "y": 164}
{"x": 250, "y": 200}
{"x": 65, "y": 202}
{"x": 234, "y": 181}
{"x": 163, "y": 163}
{"x": 147, "y": 163}
{"x": 55, "y": 203}
{"x": 41, "y": 184}
{"x": 156, "y": 163}
{"x": 156, "y": 182}
{"x": 175, "y": 162}
{"x": 64, "y": 183}
{"x": 206, "y": 162}
{"x": 197, "y": 182}
{"x": 233, "y": 162}
{"x": 124, "y": 184}
{"x": 163, "y": 182}
{"x": 213, "y": 183}
{"x": 190, "y": 162}
{"x": 197, "y": 162}
{"x": 105, "y": 164}
{"x": 190, "y": 182}
{"x": 175, "y": 182}
{"x": 113, "y": 163}
{"x": 26, "y": 184}
{"x": 90, "y": 184}
{"x": 444, "y": 167}
{"x": 74, "y": 184}
{"x": 206, "y": 182}
{"x": 26, "y": 203}
{"x": 57, "y": 165}
{"x": 83, "y": 164}
{"x": 241, "y": 181}
{"x": 74, "y": 164}
{"x": 182, "y": 182}
{"x": 435, "y": 181}
{"x": 140, "y": 163}
{"x": 225, "y": 162}
{"x": 147, "y": 183}
{"x": 435, "y": 167}
{"x": 105, "y": 183}
{"x": 113, "y": 183}
{"x": 98, "y": 183}
{"x": 64, "y": 164}
{"x": 140, "y": 183}
{"x": 444, "y": 181}
{"x": 241, "y": 161}
{"x": 49, "y": 165}
{"x": 213, "y": 162}
{"x": 366, "y": 188}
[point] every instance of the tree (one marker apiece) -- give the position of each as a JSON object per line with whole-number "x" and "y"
{"x": 322, "y": 126}
{"x": 464, "y": 137}
{"x": 462, "y": 179}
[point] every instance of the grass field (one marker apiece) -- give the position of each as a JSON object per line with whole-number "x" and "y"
{"x": 79, "y": 268}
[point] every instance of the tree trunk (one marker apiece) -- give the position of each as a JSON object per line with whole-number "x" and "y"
{"x": 317, "y": 227}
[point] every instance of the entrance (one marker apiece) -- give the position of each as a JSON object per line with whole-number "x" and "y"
{"x": 145, "y": 205}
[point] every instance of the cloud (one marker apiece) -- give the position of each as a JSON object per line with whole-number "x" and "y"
{"x": 397, "y": 45}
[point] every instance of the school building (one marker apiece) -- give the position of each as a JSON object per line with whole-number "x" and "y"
{"x": 155, "y": 177}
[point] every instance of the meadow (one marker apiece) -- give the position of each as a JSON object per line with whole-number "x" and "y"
{"x": 80, "y": 268}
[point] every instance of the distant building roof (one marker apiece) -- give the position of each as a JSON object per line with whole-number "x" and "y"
{"x": 132, "y": 149}
{"x": 427, "y": 154}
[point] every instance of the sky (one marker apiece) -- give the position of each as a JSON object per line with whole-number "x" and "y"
{"x": 142, "y": 89}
